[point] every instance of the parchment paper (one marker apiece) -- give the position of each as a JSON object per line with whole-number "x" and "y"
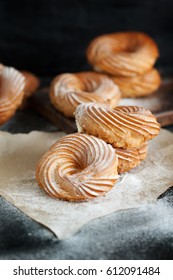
{"x": 153, "y": 103}
{"x": 20, "y": 153}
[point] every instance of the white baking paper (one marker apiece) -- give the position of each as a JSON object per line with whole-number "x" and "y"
{"x": 20, "y": 153}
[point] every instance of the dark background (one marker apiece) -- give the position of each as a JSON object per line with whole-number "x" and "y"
{"x": 50, "y": 36}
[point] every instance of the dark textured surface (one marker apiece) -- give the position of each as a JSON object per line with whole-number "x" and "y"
{"x": 49, "y": 37}
{"x": 143, "y": 233}
{"x": 25, "y": 121}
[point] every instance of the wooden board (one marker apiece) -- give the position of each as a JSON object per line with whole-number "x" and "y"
{"x": 160, "y": 103}
{"x": 40, "y": 103}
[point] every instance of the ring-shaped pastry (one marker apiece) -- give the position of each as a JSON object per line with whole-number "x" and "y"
{"x": 78, "y": 167}
{"x": 31, "y": 83}
{"x": 123, "y": 53}
{"x": 130, "y": 158}
{"x": 70, "y": 90}
{"x": 123, "y": 127}
{"x": 12, "y": 84}
{"x": 140, "y": 85}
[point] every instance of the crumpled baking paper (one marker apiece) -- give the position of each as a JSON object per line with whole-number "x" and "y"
{"x": 20, "y": 153}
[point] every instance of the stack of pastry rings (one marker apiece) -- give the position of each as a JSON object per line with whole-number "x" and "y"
{"x": 128, "y": 58}
{"x": 85, "y": 165}
{"x": 127, "y": 128}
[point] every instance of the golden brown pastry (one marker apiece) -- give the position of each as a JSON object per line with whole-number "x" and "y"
{"x": 78, "y": 167}
{"x": 70, "y": 90}
{"x": 12, "y": 84}
{"x": 140, "y": 85}
{"x": 130, "y": 158}
{"x": 143, "y": 151}
{"x": 123, "y": 127}
{"x": 31, "y": 83}
{"x": 123, "y": 53}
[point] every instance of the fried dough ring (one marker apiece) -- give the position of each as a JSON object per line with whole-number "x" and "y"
{"x": 78, "y": 167}
{"x": 130, "y": 158}
{"x": 123, "y": 54}
{"x": 12, "y": 84}
{"x": 70, "y": 90}
{"x": 123, "y": 127}
{"x": 31, "y": 83}
{"x": 140, "y": 85}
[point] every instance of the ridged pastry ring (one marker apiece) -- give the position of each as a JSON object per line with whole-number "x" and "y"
{"x": 78, "y": 167}
{"x": 123, "y": 127}
{"x": 140, "y": 85}
{"x": 130, "y": 158}
{"x": 12, "y": 84}
{"x": 123, "y": 54}
{"x": 69, "y": 90}
{"x": 31, "y": 83}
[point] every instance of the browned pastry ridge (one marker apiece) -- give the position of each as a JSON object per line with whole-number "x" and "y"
{"x": 69, "y": 90}
{"x": 12, "y": 84}
{"x": 123, "y": 53}
{"x": 140, "y": 85}
{"x": 123, "y": 127}
{"x": 130, "y": 158}
{"x": 31, "y": 83}
{"x": 78, "y": 167}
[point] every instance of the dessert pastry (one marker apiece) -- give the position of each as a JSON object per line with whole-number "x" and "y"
{"x": 31, "y": 83}
{"x": 130, "y": 158}
{"x": 12, "y": 84}
{"x": 70, "y": 90}
{"x": 78, "y": 167}
{"x": 140, "y": 85}
{"x": 143, "y": 151}
{"x": 123, "y": 54}
{"x": 123, "y": 127}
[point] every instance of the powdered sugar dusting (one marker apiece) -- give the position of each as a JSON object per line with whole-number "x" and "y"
{"x": 20, "y": 153}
